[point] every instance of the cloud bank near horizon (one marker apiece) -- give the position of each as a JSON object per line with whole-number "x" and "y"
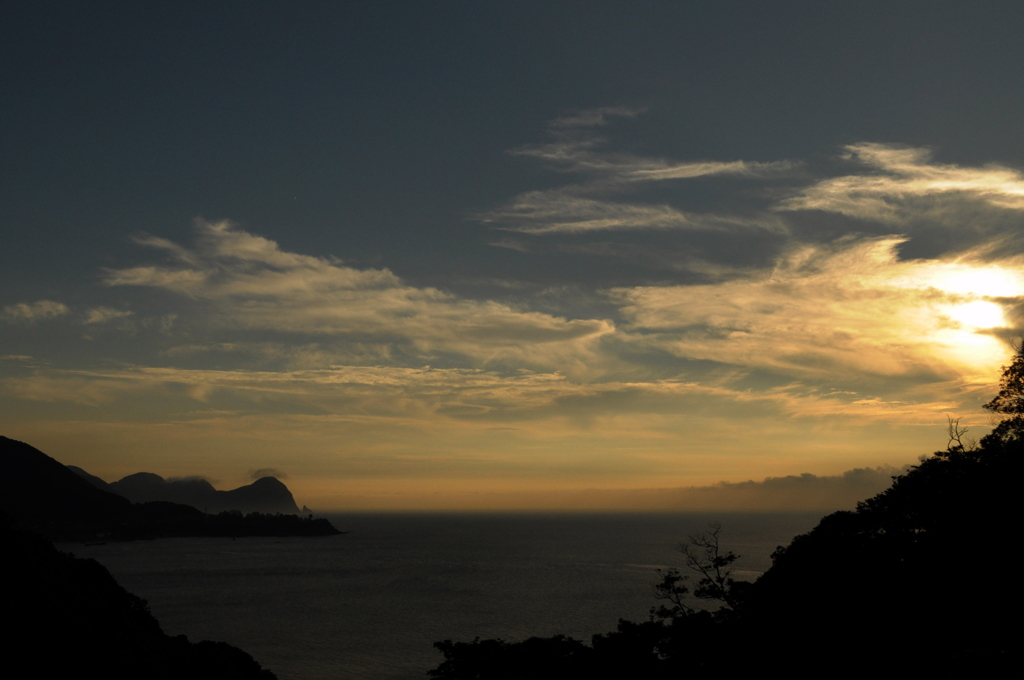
{"x": 792, "y": 493}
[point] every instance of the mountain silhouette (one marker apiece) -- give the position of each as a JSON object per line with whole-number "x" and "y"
{"x": 266, "y": 494}
{"x": 70, "y": 617}
{"x": 92, "y": 479}
{"x": 40, "y": 495}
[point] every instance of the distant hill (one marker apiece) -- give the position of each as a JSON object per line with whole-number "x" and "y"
{"x": 39, "y": 495}
{"x": 266, "y": 494}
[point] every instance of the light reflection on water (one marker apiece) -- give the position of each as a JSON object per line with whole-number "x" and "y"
{"x": 370, "y": 603}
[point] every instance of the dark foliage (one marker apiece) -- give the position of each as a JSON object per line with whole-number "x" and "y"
{"x": 704, "y": 557}
{"x": 908, "y": 582}
{"x": 553, "y": 658}
{"x": 1010, "y": 400}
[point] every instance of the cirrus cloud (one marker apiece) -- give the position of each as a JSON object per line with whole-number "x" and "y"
{"x": 34, "y": 311}
{"x": 900, "y": 179}
{"x": 254, "y": 284}
{"x": 841, "y": 310}
{"x": 588, "y": 206}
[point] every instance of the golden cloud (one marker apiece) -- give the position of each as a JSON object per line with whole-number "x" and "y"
{"x": 835, "y": 310}
{"x": 902, "y": 178}
{"x": 256, "y": 285}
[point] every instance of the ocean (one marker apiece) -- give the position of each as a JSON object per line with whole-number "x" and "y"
{"x": 370, "y": 603}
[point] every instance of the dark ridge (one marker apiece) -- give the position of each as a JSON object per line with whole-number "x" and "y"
{"x": 41, "y": 496}
{"x": 92, "y": 479}
{"x": 265, "y": 495}
{"x": 71, "y": 619}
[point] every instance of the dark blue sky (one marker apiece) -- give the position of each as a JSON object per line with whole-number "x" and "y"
{"x": 373, "y": 130}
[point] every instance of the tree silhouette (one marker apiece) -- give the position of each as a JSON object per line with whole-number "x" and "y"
{"x": 1009, "y": 403}
{"x": 957, "y": 443}
{"x": 837, "y": 599}
{"x": 705, "y": 558}
{"x": 1010, "y": 400}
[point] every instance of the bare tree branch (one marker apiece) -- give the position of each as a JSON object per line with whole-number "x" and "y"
{"x": 956, "y": 443}
{"x": 703, "y": 557}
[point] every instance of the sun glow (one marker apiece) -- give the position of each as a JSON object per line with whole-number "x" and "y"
{"x": 976, "y": 351}
{"x": 979, "y": 314}
{"x": 967, "y": 279}
{"x": 970, "y": 309}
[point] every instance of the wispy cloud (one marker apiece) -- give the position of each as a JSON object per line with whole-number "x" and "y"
{"x": 104, "y": 314}
{"x": 256, "y": 285}
{"x": 510, "y": 244}
{"x": 850, "y": 313}
{"x": 594, "y": 117}
{"x": 641, "y": 408}
{"x": 34, "y": 311}
{"x": 545, "y": 212}
{"x": 574, "y": 147}
{"x": 845, "y": 310}
{"x": 267, "y": 472}
{"x": 561, "y": 211}
{"x": 901, "y": 178}
{"x": 579, "y": 155}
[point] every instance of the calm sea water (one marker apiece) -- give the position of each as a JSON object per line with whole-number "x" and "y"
{"x": 370, "y": 603}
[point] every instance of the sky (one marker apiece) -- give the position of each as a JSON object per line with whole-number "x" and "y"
{"x": 515, "y": 255}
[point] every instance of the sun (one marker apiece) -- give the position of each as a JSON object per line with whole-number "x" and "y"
{"x": 979, "y": 314}
{"x": 984, "y": 281}
{"x": 968, "y": 310}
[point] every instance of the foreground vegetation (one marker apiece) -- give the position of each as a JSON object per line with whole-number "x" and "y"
{"x": 908, "y": 582}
